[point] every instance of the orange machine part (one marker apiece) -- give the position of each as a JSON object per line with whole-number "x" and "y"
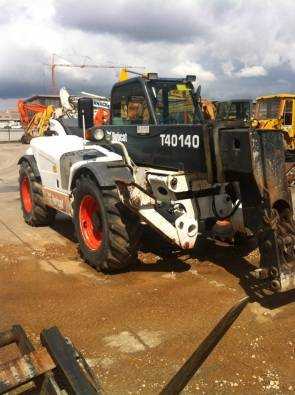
{"x": 28, "y": 110}
{"x": 101, "y": 117}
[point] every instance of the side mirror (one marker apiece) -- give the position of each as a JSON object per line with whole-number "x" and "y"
{"x": 85, "y": 109}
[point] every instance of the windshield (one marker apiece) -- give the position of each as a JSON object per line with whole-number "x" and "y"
{"x": 173, "y": 103}
{"x": 233, "y": 110}
{"x": 268, "y": 109}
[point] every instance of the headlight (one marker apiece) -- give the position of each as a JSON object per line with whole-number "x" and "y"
{"x": 98, "y": 134}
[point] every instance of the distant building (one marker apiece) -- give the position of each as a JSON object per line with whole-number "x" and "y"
{"x": 9, "y": 119}
{"x": 46, "y": 100}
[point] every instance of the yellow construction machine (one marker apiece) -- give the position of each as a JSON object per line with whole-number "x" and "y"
{"x": 277, "y": 112}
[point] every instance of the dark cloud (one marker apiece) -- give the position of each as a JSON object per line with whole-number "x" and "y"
{"x": 143, "y": 21}
{"x": 279, "y": 79}
{"x": 15, "y": 86}
{"x": 29, "y": 74}
{"x": 237, "y": 48}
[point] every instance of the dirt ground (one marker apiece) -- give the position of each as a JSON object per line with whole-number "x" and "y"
{"x": 137, "y": 328}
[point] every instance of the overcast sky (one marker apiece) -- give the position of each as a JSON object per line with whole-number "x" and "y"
{"x": 235, "y": 48}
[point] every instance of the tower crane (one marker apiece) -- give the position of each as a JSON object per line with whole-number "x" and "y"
{"x": 55, "y": 65}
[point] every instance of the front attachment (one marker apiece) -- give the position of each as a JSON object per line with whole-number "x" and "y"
{"x": 256, "y": 159}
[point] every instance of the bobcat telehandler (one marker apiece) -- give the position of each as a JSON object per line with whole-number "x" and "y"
{"x": 158, "y": 164}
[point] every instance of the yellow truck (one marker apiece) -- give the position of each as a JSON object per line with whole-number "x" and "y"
{"x": 277, "y": 112}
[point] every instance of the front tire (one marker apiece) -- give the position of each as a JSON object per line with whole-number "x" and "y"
{"x": 35, "y": 212}
{"x": 108, "y": 234}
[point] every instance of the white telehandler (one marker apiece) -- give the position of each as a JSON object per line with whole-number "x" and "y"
{"x": 158, "y": 164}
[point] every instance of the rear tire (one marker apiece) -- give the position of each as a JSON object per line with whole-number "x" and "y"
{"x": 35, "y": 212}
{"x": 25, "y": 139}
{"x": 108, "y": 234}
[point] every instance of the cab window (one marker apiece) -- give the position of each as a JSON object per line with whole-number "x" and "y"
{"x": 287, "y": 117}
{"x": 223, "y": 110}
{"x": 232, "y": 115}
{"x": 233, "y": 110}
{"x": 129, "y": 105}
{"x": 262, "y": 110}
{"x": 268, "y": 109}
{"x": 173, "y": 103}
{"x": 241, "y": 110}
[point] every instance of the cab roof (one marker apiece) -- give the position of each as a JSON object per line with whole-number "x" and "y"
{"x": 155, "y": 80}
{"x": 277, "y": 96}
{"x": 235, "y": 101}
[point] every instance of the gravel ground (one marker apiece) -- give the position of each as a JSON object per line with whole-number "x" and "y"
{"x": 137, "y": 328}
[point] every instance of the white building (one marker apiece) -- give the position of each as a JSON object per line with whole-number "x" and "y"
{"x": 9, "y": 119}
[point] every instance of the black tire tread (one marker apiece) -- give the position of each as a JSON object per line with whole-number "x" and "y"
{"x": 40, "y": 214}
{"x": 122, "y": 242}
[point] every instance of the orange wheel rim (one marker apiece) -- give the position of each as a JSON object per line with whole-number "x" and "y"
{"x": 26, "y": 194}
{"x": 90, "y": 222}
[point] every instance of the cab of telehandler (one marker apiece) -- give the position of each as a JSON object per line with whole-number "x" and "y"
{"x": 155, "y": 101}
{"x": 150, "y": 100}
{"x": 160, "y": 121}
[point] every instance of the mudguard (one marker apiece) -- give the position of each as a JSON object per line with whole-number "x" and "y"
{"x": 32, "y": 162}
{"x": 106, "y": 173}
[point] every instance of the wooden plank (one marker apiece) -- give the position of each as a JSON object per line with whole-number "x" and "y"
{"x": 21, "y": 370}
{"x": 22, "y": 340}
